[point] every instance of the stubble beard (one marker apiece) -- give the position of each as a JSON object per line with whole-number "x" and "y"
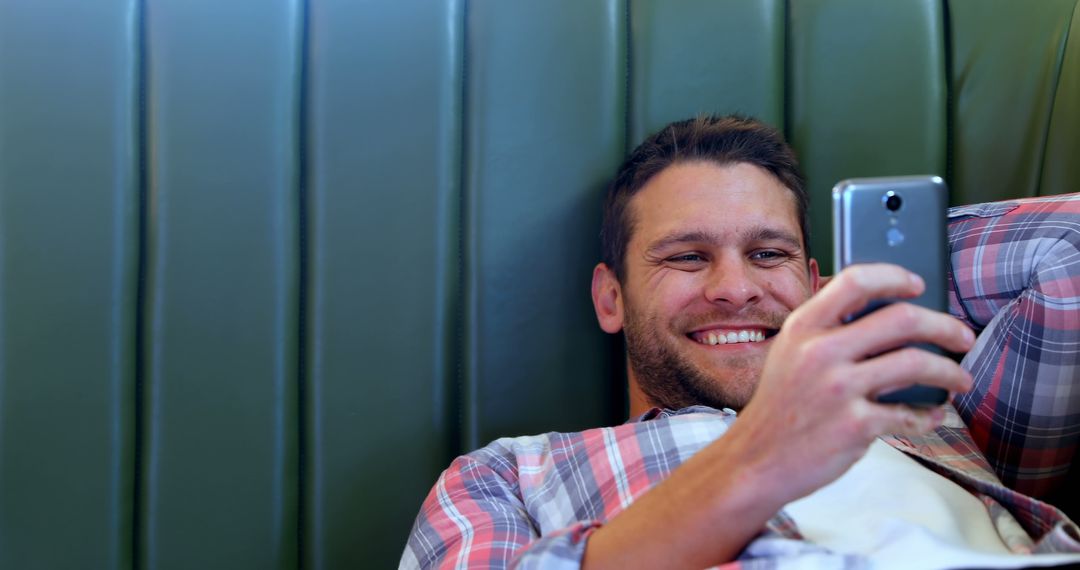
{"x": 670, "y": 380}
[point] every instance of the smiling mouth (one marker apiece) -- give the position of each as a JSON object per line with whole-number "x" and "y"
{"x": 732, "y": 336}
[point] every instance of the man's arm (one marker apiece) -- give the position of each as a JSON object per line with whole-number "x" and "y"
{"x": 474, "y": 518}
{"x": 811, "y": 417}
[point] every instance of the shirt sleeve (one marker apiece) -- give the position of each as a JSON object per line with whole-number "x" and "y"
{"x": 1016, "y": 281}
{"x": 474, "y": 517}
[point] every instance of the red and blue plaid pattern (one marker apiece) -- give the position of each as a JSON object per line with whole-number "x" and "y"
{"x": 1016, "y": 281}
{"x": 531, "y": 502}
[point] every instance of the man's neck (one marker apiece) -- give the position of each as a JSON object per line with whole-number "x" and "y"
{"x": 639, "y": 402}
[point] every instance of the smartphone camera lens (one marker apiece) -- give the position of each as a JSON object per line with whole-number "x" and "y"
{"x": 893, "y": 201}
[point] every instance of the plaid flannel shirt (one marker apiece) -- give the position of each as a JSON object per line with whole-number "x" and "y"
{"x": 531, "y": 502}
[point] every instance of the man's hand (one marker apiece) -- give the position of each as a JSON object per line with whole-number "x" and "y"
{"x": 814, "y": 406}
{"x": 812, "y": 416}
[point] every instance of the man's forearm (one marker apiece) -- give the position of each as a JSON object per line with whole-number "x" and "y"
{"x": 704, "y": 514}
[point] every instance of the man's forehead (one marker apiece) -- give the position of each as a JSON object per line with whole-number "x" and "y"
{"x": 698, "y": 193}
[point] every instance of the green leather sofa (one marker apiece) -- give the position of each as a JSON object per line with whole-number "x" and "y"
{"x": 267, "y": 266}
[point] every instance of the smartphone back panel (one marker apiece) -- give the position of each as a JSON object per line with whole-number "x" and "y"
{"x": 899, "y": 220}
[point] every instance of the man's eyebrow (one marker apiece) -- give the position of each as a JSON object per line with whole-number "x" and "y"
{"x": 765, "y": 233}
{"x": 755, "y": 234}
{"x": 696, "y": 236}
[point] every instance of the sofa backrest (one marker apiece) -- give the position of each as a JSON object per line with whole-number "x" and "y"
{"x": 267, "y": 266}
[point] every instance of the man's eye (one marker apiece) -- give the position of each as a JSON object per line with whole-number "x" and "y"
{"x": 686, "y": 260}
{"x": 768, "y": 255}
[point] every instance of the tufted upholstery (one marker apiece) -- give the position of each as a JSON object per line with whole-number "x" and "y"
{"x": 267, "y": 266}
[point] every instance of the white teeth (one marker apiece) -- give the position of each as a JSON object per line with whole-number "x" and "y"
{"x": 732, "y": 337}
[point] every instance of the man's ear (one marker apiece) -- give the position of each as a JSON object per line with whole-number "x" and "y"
{"x": 816, "y": 282}
{"x": 607, "y": 298}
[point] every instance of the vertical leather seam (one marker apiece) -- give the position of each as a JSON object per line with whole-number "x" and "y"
{"x": 950, "y": 96}
{"x": 1053, "y": 100}
{"x": 142, "y": 189}
{"x": 465, "y": 396}
{"x": 786, "y": 75}
{"x": 628, "y": 71}
{"x": 302, "y": 273}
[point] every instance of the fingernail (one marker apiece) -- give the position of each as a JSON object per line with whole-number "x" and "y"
{"x": 916, "y": 280}
{"x": 969, "y": 336}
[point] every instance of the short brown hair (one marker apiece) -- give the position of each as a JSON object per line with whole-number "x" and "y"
{"x": 723, "y": 140}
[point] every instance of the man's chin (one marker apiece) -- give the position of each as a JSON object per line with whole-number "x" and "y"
{"x": 729, "y": 386}
{"x": 725, "y": 362}
{"x": 730, "y": 382}
{"x": 673, "y": 374}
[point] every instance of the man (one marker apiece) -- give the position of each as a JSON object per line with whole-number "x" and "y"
{"x": 706, "y": 272}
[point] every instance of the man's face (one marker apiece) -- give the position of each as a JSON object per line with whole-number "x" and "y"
{"x": 714, "y": 266}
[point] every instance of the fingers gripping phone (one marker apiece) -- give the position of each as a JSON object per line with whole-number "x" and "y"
{"x": 899, "y": 220}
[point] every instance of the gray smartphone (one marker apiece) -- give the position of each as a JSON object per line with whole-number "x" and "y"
{"x": 898, "y": 220}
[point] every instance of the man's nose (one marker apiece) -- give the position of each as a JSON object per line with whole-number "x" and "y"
{"x": 732, "y": 282}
